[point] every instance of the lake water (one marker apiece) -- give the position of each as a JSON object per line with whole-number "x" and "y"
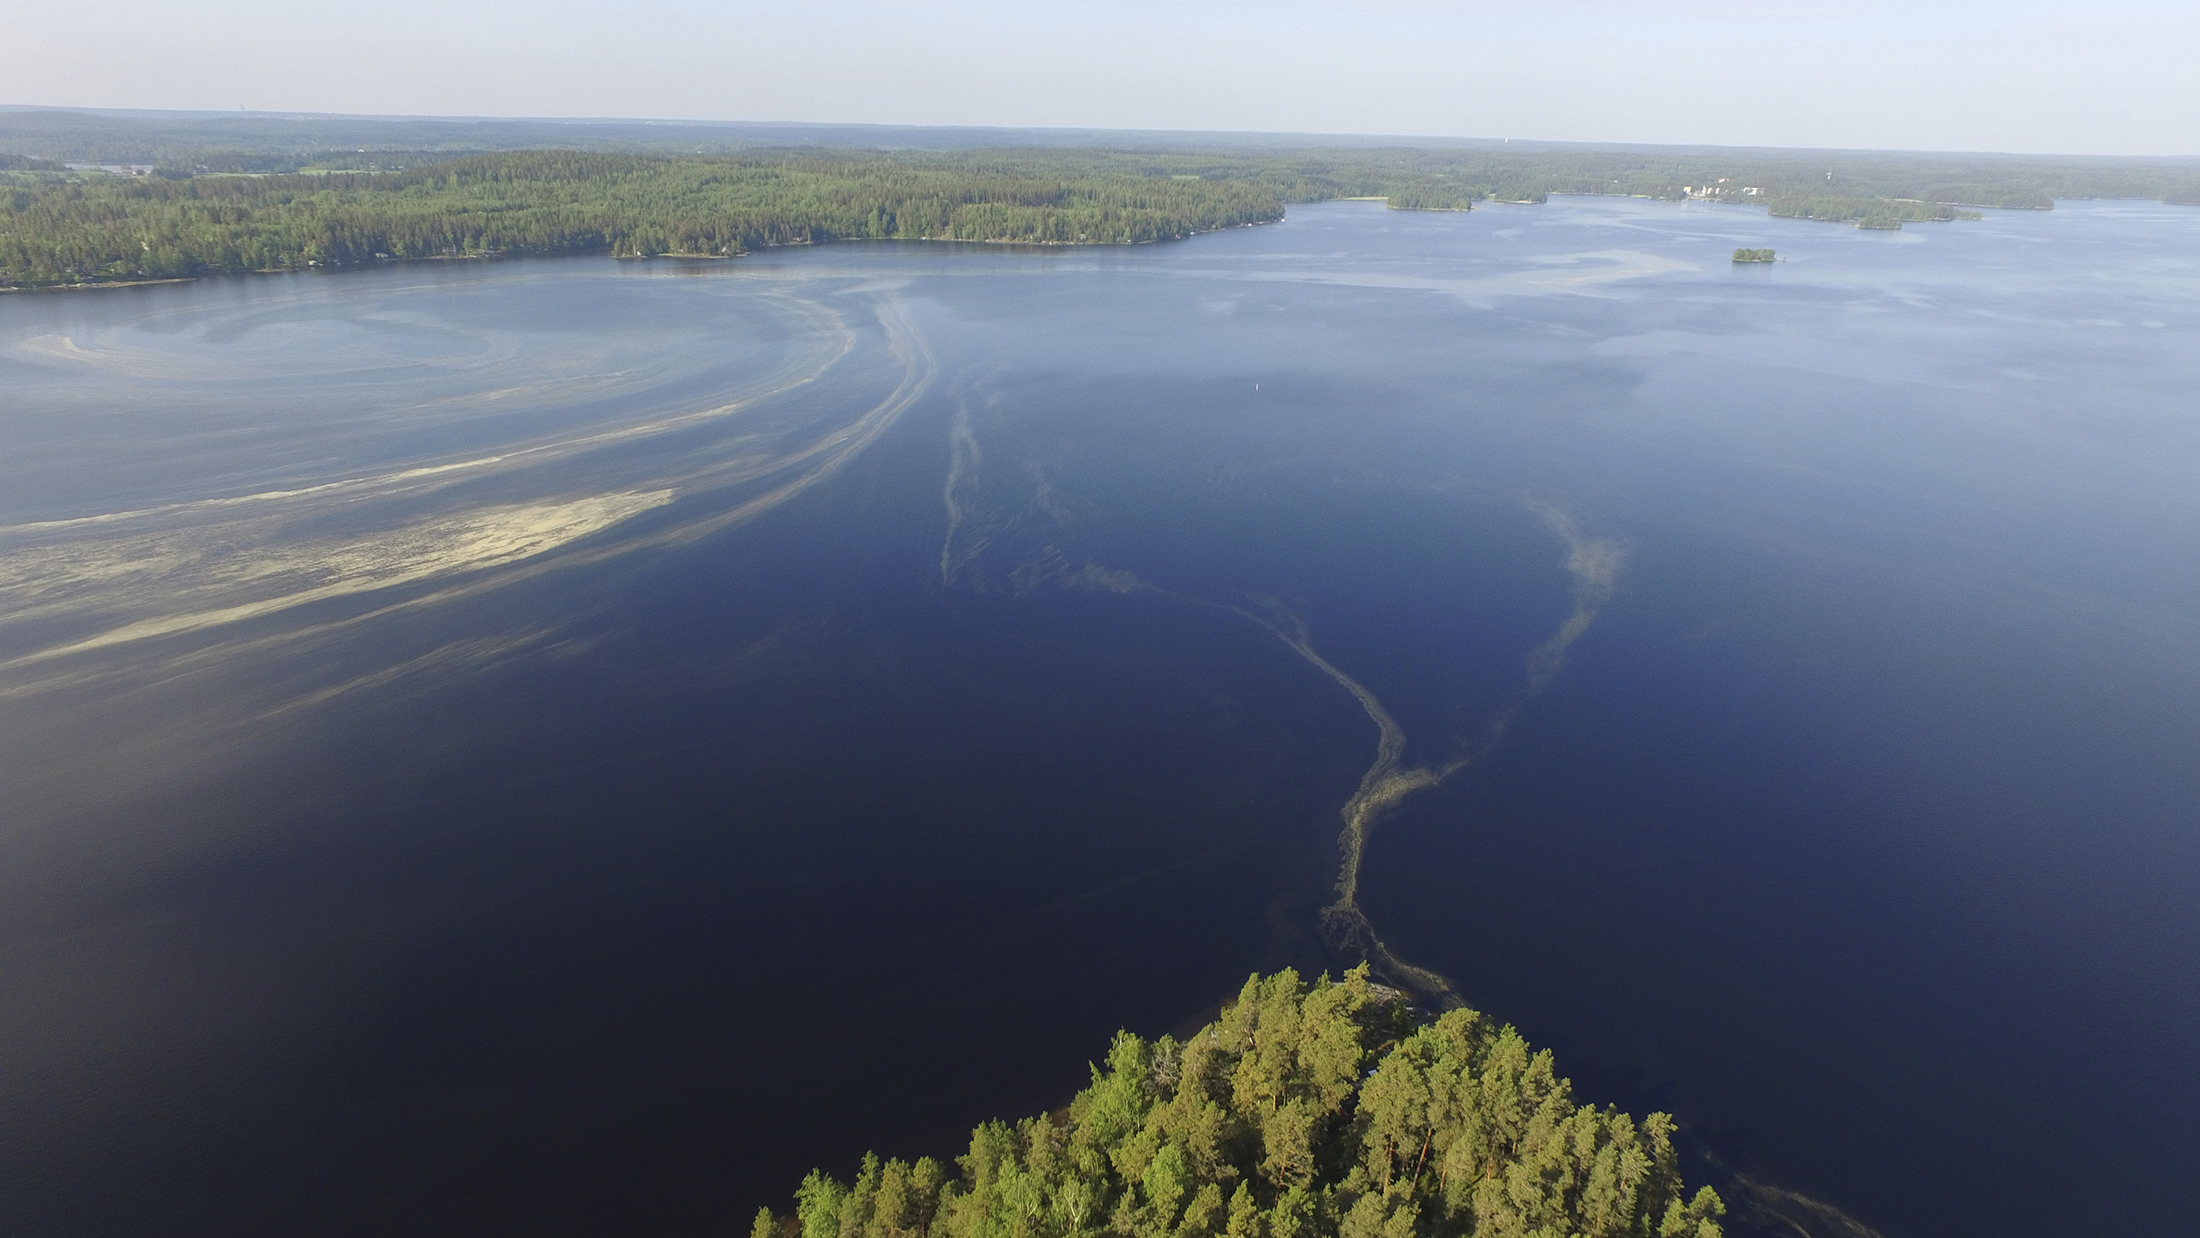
{"x": 566, "y": 746}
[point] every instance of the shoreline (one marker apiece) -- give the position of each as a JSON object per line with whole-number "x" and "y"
{"x": 503, "y": 255}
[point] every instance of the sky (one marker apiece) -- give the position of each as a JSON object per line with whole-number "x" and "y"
{"x": 2050, "y": 76}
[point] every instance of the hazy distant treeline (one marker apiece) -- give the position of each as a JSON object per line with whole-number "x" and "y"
{"x": 64, "y": 227}
{"x": 1304, "y": 1111}
{"x": 240, "y": 142}
{"x": 92, "y": 227}
{"x": 61, "y": 228}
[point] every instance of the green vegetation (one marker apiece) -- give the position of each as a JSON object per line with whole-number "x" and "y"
{"x": 1869, "y": 212}
{"x": 69, "y": 230}
{"x": 259, "y": 193}
{"x": 1509, "y": 171}
{"x": 1301, "y": 1112}
{"x": 1753, "y": 255}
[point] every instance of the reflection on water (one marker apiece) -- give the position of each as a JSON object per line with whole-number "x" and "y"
{"x": 551, "y": 746}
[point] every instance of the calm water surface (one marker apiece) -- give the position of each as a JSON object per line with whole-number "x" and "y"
{"x": 564, "y": 747}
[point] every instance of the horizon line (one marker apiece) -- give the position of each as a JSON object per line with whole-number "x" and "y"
{"x": 1268, "y": 135}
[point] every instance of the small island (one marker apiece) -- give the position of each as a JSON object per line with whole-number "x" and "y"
{"x": 1753, "y": 255}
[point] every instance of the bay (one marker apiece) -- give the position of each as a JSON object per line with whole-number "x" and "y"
{"x": 569, "y": 745}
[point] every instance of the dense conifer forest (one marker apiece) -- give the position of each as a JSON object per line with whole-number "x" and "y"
{"x": 72, "y": 229}
{"x": 1303, "y": 1111}
{"x": 192, "y": 196}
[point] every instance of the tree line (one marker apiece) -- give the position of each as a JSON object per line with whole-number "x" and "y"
{"x": 72, "y": 229}
{"x": 1870, "y": 212}
{"x": 63, "y": 227}
{"x": 1323, "y": 1110}
{"x": 267, "y": 143}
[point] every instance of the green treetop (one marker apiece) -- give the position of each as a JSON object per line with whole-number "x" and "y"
{"x": 1304, "y": 1111}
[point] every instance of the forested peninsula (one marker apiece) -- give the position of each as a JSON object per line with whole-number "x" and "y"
{"x": 1303, "y": 1111}
{"x": 558, "y": 202}
{"x": 91, "y": 198}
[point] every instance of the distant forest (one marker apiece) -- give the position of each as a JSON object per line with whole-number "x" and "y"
{"x": 1304, "y": 1111}
{"x": 70, "y": 229}
{"x": 251, "y": 194}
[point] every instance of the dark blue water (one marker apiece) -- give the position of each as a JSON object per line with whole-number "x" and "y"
{"x": 564, "y": 747}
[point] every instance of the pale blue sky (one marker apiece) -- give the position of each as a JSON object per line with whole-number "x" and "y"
{"x": 2109, "y": 77}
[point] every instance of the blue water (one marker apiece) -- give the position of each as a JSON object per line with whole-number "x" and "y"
{"x": 566, "y": 746}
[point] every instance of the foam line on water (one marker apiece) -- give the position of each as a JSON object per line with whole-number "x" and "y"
{"x": 1593, "y": 563}
{"x": 514, "y": 538}
{"x": 837, "y": 341}
{"x": 1578, "y": 274}
{"x": 963, "y": 459}
{"x": 1773, "y": 1207}
{"x": 472, "y": 541}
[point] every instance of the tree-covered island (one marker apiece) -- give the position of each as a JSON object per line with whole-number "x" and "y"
{"x": 1754, "y": 255}
{"x": 1303, "y": 1111}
